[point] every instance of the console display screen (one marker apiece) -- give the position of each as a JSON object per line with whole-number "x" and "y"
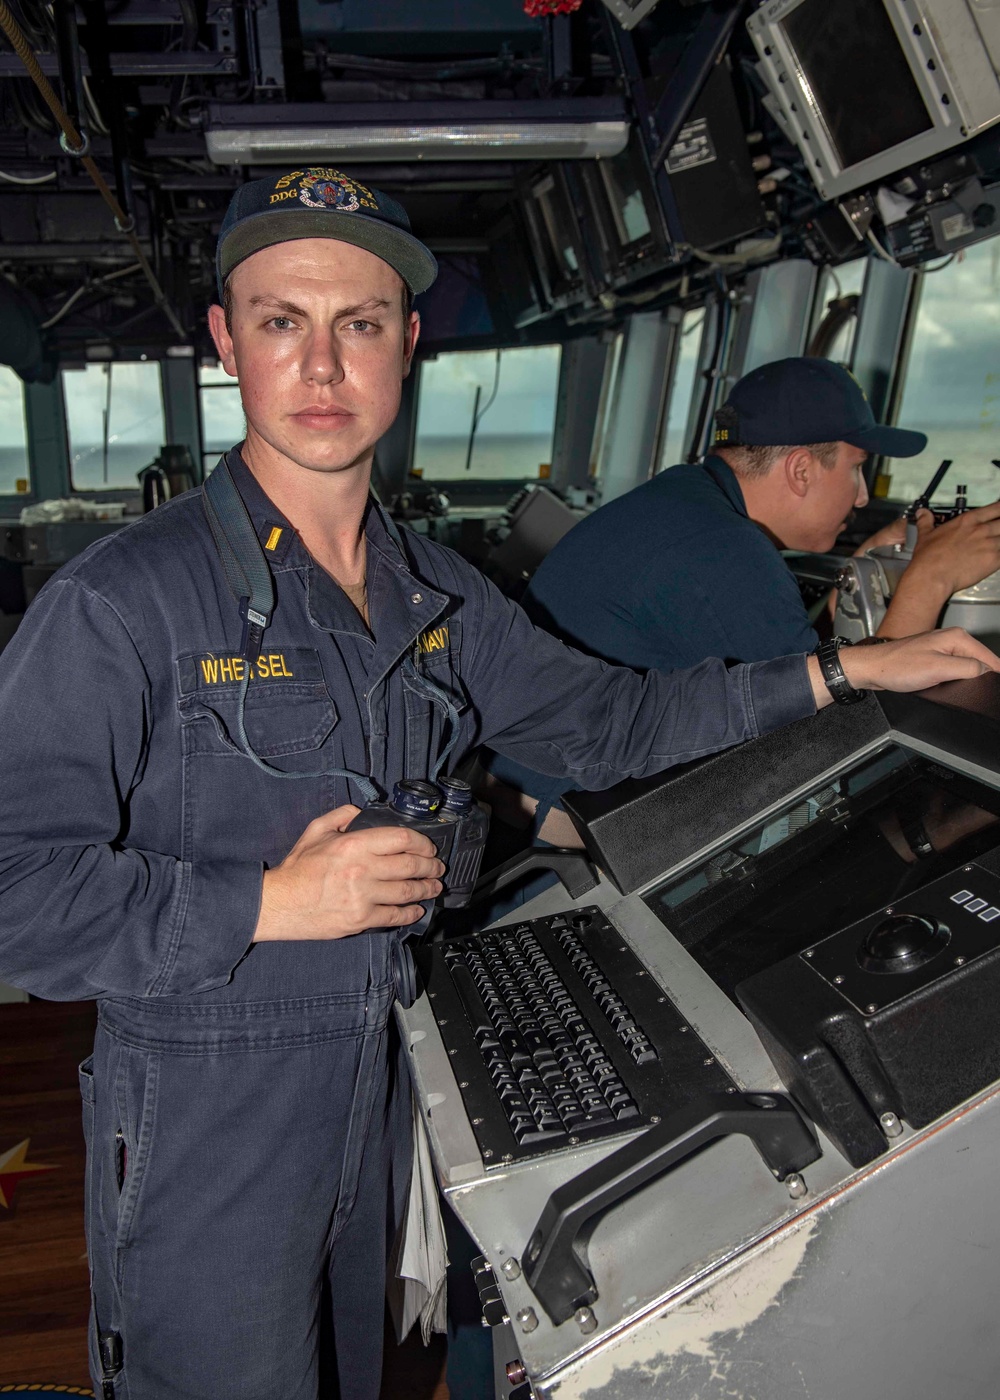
{"x": 879, "y": 831}
{"x": 856, "y": 75}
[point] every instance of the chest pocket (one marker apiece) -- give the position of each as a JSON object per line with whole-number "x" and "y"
{"x": 288, "y": 708}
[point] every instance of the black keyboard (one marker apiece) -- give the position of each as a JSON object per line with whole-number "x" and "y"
{"x": 559, "y": 1035}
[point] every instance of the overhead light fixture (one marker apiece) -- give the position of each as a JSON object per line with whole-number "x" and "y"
{"x": 469, "y": 141}
{"x": 564, "y": 129}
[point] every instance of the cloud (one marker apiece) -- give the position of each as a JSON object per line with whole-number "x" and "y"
{"x": 12, "y": 429}
{"x": 526, "y": 394}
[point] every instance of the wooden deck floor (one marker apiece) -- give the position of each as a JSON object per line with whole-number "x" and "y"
{"x": 43, "y": 1265}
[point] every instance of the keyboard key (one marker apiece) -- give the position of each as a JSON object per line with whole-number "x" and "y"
{"x": 527, "y": 1137}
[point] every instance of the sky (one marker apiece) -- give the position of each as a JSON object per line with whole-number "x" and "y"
{"x": 525, "y": 401}
{"x": 136, "y": 405}
{"x": 954, "y": 371}
{"x": 952, "y": 389}
{"x": 11, "y": 408}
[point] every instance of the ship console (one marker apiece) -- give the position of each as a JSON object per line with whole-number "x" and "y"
{"x": 723, "y": 1121}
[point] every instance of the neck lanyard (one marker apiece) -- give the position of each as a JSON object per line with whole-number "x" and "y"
{"x": 248, "y": 575}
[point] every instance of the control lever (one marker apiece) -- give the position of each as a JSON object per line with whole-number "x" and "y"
{"x": 923, "y": 502}
{"x": 573, "y": 868}
{"x": 555, "y": 1262}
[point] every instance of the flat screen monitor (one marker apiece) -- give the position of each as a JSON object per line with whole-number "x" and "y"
{"x": 866, "y": 88}
{"x": 553, "y": 231}
{"x": 623, "y": 182}
{"x": 625, "y": 222}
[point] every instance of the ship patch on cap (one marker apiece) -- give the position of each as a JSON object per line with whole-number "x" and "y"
{"x": 324, "y": 188}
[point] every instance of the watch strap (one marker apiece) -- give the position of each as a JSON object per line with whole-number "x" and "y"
{"x": 827, "y": 654}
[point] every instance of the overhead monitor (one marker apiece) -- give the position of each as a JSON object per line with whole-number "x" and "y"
{"x": 866, "y": 88}
{"x": 554, "y": 235}
{"x": 625, "y": 223}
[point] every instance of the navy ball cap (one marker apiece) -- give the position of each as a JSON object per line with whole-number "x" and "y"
{"x": 320, "y": 202}
{"x": 803, "y": 400}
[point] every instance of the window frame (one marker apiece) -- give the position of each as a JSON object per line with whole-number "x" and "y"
{"x": 901, "y": 369}
{"x": 673, "y": 365}
{"x": 473, "y": 486}
{"x": 229, "y": 385}
{"x": 87, "y": 493}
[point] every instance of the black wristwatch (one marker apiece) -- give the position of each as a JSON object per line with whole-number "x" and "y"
{"x": 833, "y": 672}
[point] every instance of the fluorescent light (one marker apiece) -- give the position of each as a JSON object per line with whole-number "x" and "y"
{"x": 504, "y": 140}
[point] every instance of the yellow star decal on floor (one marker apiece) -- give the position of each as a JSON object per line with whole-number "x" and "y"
{"x": 14, "y": 1165}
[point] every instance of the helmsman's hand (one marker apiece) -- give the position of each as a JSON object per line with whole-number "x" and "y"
{"x": 960, "y": 552}
{"x": 913, "y": 663}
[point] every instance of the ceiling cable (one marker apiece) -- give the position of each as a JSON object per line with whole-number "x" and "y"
{"x": 76, "y": 145}
{"x": 87, "y": 287}
{"x": 27, "y": 179}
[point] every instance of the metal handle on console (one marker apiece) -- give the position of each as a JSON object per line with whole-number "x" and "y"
{"x": 555, "y": 1262}
{"x": 573, "y": 868}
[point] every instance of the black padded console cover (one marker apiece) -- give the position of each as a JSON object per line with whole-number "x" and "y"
{"x": 642, "y": 827}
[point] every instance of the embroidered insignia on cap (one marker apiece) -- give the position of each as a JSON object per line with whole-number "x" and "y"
{"x": 324, "y": 188}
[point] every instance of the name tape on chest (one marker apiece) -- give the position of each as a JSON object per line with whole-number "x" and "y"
{"x": 209, "y": 670}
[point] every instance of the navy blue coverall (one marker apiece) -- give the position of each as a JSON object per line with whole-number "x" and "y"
{"x": 248, "y": 1129}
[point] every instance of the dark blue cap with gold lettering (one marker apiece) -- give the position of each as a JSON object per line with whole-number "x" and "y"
{"x": 802, "y": 400}
{"x": 320, "y": 202}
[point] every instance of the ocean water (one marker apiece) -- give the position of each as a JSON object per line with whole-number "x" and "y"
{"x": 88, "y": 469}
{"x": 494, "y": 456}
{"x": 519, "y": 455}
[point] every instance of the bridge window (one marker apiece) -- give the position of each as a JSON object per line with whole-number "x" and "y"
{"x": 835, "y": 313}
{"x": 223, "y": 424}
{"x": 675, "y": 445}
{"x": 115, "y": 423}
{"x": 15, "y": 476}
{"x": 952, "y": 386}
{"x": 487, "y": 414}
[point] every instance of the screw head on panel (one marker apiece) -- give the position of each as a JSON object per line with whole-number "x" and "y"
{"x": 528, "y": 1319}
{"x": 585, "y": 1320}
